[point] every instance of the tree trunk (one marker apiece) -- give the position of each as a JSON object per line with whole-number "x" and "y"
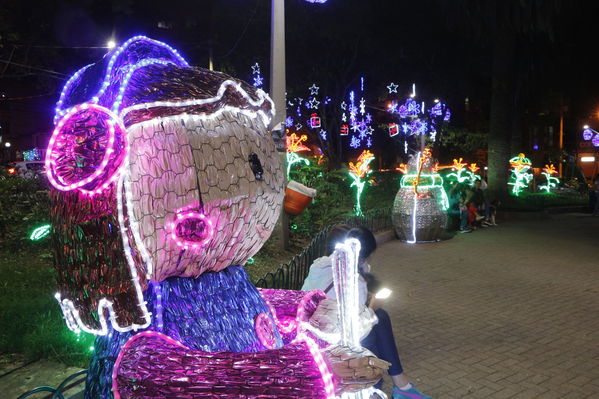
{"x": 502, "y": 107}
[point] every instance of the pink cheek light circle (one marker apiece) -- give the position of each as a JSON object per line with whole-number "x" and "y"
{"x": 192, "y": 230}
{"x": 86, "y": 150}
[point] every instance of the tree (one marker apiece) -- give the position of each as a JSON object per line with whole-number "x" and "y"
{"x": 508, "y": 25}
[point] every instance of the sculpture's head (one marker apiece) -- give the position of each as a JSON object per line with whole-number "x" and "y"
{"x": 159, "y": 170}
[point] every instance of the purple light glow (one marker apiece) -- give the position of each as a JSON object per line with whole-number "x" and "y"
{"x": 192, "y": 229}
{"x": 86, "y": 149}
{"x": 116, "y": 63}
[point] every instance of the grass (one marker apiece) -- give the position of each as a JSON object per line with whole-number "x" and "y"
{"x": 530, "y": 202}
{"x": 30, "y": 317}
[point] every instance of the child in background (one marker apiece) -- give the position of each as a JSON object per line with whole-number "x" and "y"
{"x": 474, "y": 218}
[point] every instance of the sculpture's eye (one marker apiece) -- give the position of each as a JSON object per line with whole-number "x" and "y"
{"x": 256, "y": 166}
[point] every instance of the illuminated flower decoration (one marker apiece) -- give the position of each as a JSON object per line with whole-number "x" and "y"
{"x": 550, "y": 169}
{"x": 520, "y": 163}
{"x": 295, "y": 143}
{"x": 587, "y": 133}
{"x": 551, "y": 181}
{"x": 458, "y": 164}
{"x": 473, "y": 168}
{"x": 595, "y": 140}
{"x": 361, "y": 168}
{"x": 357, "y": 172}
{"x": 403, "y": 168}
{"x": 520, "y": 177}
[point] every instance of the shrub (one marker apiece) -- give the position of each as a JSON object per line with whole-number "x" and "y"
{"x": 24, "y": 205}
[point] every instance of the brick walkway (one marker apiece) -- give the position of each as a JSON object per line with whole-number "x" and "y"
{"x": 504, "y": 312}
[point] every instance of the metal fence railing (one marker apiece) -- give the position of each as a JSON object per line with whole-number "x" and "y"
{"x": 291, "y": 275}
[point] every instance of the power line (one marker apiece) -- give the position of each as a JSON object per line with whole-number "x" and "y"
{"x": 228, "y": 53}
{"x": 26, "y": 97}
{"x": 54, "y": 74}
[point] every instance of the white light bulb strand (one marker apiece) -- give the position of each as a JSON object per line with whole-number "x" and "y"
{"x": 345, "y": 277}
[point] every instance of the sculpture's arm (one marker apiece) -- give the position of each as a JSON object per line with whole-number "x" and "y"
{"x": 152, "y": 365}
{"x": 291, "y": 308}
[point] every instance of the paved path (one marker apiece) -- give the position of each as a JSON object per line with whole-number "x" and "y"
{"x": 504, "y": 312}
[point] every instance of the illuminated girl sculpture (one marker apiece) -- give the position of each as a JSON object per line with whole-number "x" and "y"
{"x": 165, "y": 183}
{"x": 421, "y": 202}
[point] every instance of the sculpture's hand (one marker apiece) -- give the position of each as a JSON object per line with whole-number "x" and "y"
{"x": 354, "y": 368}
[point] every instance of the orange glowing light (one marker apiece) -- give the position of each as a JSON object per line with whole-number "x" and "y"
{"x": 458, "y": 164}
{"x": 403, "y": 168}
{"x": 12, "y": 171}
{"x": 550, "y": 169}
{"x": 520, "y": 163}
{"x": 361, "y": 168}
{"x": 473, "y": 168}
{"x": 295, "y": 143}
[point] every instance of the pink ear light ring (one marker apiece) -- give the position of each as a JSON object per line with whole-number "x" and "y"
{"x": 66, "y": 144}
{"x": 191, "y": 229}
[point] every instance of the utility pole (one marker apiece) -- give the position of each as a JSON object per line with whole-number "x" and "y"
{"x": 277, "y": 93}
{"x": 561, "y": 136}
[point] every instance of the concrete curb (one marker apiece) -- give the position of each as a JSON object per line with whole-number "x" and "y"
{"x": 384, "y": 236}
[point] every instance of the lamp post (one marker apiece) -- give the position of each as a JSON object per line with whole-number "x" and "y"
{"x": 277, "y": 91}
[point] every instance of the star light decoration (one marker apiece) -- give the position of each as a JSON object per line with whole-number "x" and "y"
{"x": 520, "y": 177}
{"x": 313, "y": 89}
{"x": 258, "y": 80}
{"x": 359, "y": 121}
{"x": 551, "y": 181}
{"x": 415, "y": 118}
{"x": 295, "y": 144}
{"x": 313, "y": 103}
{"x": 359, "y": 171}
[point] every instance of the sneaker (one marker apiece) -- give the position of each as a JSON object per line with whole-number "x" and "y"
{"x": 485, "y": 223}
{"x": 411, "y": 393}
{"x": 465, "y": 231}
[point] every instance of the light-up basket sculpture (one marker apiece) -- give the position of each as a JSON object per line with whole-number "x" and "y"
{"x": 419, "y": 210}
{"x": 165, "y": 182}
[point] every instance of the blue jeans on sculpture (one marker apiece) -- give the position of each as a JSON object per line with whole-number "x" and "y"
{"x": 381, "y": 342}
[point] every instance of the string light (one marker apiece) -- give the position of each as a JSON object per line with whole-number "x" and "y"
{"x": 258, "y": 80}
{"x": 177, "y": 60}
{"x": 40, "y": 232}
{"x": 295, "y": 145}
{"x": 314, "y": 121}
{"x": 357, "y": 172}
{"x": 551, "y": 181}
{"x": 59, "y": 145}
{"x": 185, "y": 227}
{"x": 314, "y": 89}
{"x": 520, "y": 178}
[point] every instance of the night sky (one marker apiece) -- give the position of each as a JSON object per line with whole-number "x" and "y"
{"x": 446, "y": 47}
